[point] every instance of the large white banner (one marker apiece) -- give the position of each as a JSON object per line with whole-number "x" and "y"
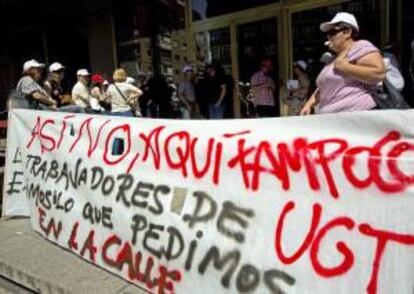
{"x": 321, "y": 204}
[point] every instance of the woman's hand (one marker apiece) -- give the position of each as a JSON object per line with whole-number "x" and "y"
{"x": 54, "y": 107}
{"x": 341, "y": 61}
{"x": 306, "y": 110}
{"x": 369, "y": 69}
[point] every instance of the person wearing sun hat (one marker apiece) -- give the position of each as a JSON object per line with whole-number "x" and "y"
{"x": 349, "y": 82}
{"x": 297, "y": 96}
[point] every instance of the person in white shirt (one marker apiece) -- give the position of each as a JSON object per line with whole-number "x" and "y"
{"x": 80, "y": 92}
{"x": 124, "y": 96}
{"x": 393, "y": 73}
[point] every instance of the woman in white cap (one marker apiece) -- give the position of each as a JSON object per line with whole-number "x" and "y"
{"x": 29, "y": 94}
{"x": 297, "y": 97}
{"x": 53, "y": 82}
{"x": 348, "y": 83}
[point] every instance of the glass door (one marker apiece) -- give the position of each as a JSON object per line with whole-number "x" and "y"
{"x": 256, "y": 41}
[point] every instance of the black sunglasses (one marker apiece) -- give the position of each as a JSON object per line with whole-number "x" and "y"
{"x": 335, "y": 31}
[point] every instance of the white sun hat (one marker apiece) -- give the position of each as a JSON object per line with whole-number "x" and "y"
{"x": 83, "y": 72}
{"x": 56, "y": 66}
{"x": 302, "y": 64}
{"x": 32, "y": 64}
{"x": 340, "y": 17}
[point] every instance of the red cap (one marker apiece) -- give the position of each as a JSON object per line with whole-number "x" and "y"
{"x": 97, "y": 78}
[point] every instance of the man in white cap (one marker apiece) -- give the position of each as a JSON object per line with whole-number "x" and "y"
{"x": 80, "y": 92}
{"x": 29, "y": 94}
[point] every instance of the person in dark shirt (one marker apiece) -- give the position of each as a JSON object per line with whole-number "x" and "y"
{"x": 53, "y": 82}
{"x": 159, "y": 93}
{"x": 229, "y": 99}
{"x": 216, "y": 91}
{"x": 201, "y": 97}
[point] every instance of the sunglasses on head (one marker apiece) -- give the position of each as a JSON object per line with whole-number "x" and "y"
{"x": 335, "y": 31}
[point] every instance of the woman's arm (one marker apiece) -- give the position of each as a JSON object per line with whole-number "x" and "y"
{"x": 369, "y": 69}
{"x": 134, "y": 94}
{"x": 307, "y": 108}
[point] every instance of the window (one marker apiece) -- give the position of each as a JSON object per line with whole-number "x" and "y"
{"x": 214, "y": 47}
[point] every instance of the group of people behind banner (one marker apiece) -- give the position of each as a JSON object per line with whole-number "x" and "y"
{"x": 355, "y": 77}
{"x": 209, "y": 97}
{"x": 90, "y": 94}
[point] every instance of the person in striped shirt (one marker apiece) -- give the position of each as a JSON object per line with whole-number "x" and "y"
{"x": 263, "y": 88}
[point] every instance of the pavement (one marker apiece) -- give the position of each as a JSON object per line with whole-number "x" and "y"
{"x": 31, "y": 264}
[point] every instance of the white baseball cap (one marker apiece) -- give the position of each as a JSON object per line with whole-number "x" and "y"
{"x": 130, "y": 80}
{"x": 340, "y": 17}
{"x": 302, "y": 64}
{"x": 83, "y": 72}
{"x": 56, "y": 66}
{"x": 32, "y": 64}
{"x": 187, "y": 68}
